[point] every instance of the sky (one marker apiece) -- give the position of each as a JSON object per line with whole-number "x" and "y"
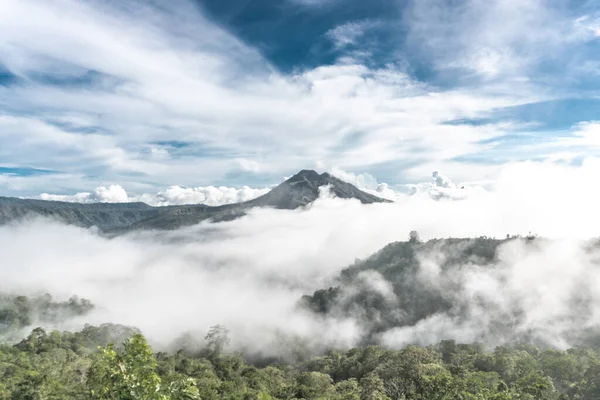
{"x": 98, "y": 98}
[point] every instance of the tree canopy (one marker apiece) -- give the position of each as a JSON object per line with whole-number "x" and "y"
{"x": 62, "y": 365}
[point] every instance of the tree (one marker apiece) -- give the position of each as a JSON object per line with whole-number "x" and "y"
{"x": 413, "y": 237}
{"x": 347, "y": 390}
{"x": 217, "y": 338}
{"x": 184, "y": 389}
{"x": 128, "y": 374}
{"x": 372, "y": 388}
{"x": 314, "y": 385}
{"x": 535, "y": 384}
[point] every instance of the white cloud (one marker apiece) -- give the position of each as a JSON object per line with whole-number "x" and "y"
{"x": 364, "y": 181}
{"x": 497, "y": 38}
{"x": 312, "y": 3}
{"x": 442, "y": 188}
{"x": 349, "y": 33}
{"x": 550, "y": 314}
{"x": 174, "y": 195}
{"x": 210, "y": 195}
{"x": 249, "y": 165}
{"x": 439, "y": 188}
{"x": 368, "y": 183}
{"x": 111, "y": 194}
{"x": 588, "y": 26}
{"x": 173, "y": 75}
{"x": 586, "y": 134}
{"x": 249, "y": 273}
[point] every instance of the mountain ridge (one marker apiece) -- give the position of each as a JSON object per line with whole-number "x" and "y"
{"x": 297, "y": 191}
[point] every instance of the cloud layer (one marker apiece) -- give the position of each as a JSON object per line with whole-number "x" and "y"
{"x": 174, "y": 195}
{"x": 440, "y": 187}
{"x": 249, "y": 273}
{"x": 147, "y": 95}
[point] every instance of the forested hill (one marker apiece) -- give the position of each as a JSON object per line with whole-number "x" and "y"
{"x": 433, "y": 287}
{"x": 102, "y": 215}
{"x": 297, "y": 191}
{"x": 402, "y": 297}
{"x": 385, "y": 291}
{"x": 68, "y": 366}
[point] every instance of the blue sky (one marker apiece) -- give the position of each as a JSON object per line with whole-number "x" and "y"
{"x": 244, "y": 92}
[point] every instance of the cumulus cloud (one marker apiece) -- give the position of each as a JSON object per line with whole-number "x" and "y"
{"x": 249, "y": 273}
{"x": 585, "y": 134}
{"x": 440, "y": 187}
{"x": 363, "y": 181}
{"x": 174, "y": 195}
{"x": 209, "y": 195}
{"x": 102, "y": 194}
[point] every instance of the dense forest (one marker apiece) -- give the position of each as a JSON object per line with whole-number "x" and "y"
{"x": 63, "y": 365}
{"x": 20, "y": 312}
{"x": 384, "y": 292}
{"x": 459, "y": 282}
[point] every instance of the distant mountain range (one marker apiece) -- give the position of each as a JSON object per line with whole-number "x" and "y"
{"x": 298, "y": 191}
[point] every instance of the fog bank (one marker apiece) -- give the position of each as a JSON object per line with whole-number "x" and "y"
{"x": 249, "y": 273}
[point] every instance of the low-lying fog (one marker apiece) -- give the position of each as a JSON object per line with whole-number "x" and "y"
{"x": 248, "y": 274}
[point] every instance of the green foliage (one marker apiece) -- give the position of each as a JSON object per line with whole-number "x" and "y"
{"x": 399, "y": 265}
{"x": 128, "y": 374}
{"x": 18, "y": 312}
{"x": 217, "y": 339}
{"x": 57, "y": 366}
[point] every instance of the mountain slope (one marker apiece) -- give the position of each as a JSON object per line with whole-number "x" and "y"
{"x": 103, "y": 215}
{"x": 445, "y": 286}
{"x": 303, "y": 188}
{"x": 297, "y": 191}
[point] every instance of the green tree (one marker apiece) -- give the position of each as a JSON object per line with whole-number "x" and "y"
{"x": 372, "y": 388}
{"x": 347, "y": 390}
{"x": 217, "y": 339}
{"x": 127, "y": 374}
{"x": 314, "y": 385}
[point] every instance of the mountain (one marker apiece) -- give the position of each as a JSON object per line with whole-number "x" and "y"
{"x": 303, "y": 188}
{"x": 297, "y": 191}
{"x": 103, "y": 215}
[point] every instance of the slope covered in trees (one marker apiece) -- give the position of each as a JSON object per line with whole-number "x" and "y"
{"x": 400, "y": 287}
{"x": 115, "y": 218}
{"x": 18, "y": 312}
{"x": 475, "y": 286}
{"x": 62, "y": 365}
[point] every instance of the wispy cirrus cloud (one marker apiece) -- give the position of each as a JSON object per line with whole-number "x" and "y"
{"x": 106, "y": 105}
{"x": 349, "y": 33}
{"x": 500, "y": 38}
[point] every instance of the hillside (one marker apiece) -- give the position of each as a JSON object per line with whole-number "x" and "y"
{"x": 103, "y": 215}
{"x": 430, "y": 288}
{"x": 297, "y": 191}
{"x": 303, "y": 188}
